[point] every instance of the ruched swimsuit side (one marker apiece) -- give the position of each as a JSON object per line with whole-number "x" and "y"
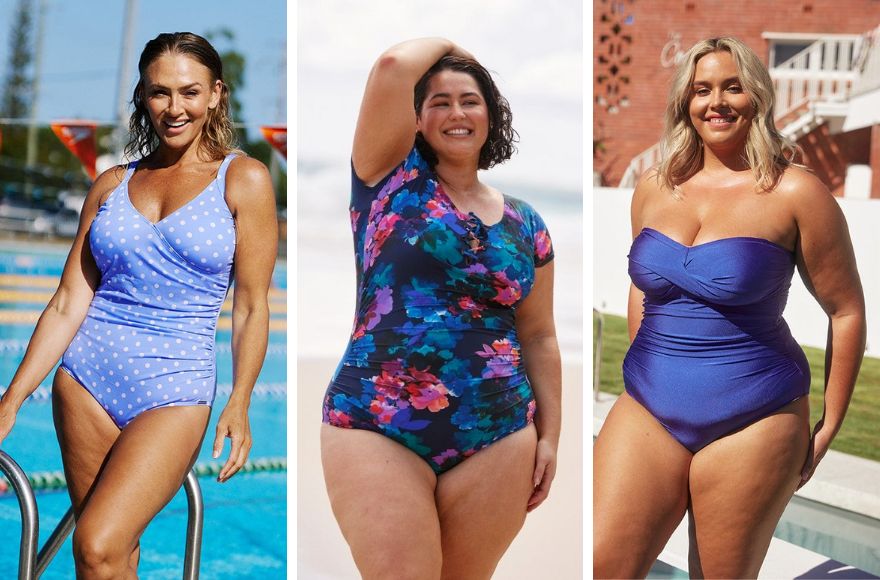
{"x": 434, "y": 362}
{"x": 713, "y": 353}
{"x": 148, "y": 338}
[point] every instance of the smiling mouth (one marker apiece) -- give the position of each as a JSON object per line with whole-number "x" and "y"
{"x": 175, "y": 125}
{"x": 458, "y": 132}
{"x": 721, "y": 120}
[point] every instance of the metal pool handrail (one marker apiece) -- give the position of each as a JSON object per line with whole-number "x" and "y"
{"x": 27, "y": 503}
{"x": 32, "y": 565}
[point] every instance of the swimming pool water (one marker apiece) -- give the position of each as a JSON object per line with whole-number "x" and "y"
{"x": 245, "y": 518}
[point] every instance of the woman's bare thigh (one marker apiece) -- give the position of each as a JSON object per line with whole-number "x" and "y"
{"x": 482, "y": 504}
{"x": 640, "y": 490}
{"x": 83, "y": 451}
{"x": 145, "y": 468}
{"x": 382, "y": 495}
{"x": 740, "y": 485}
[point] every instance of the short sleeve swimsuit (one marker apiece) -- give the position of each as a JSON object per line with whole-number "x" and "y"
{"x": 148, "y": 338}
{"x": 434, "y": 362}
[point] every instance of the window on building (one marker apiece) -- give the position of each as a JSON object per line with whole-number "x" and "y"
{"x": 782, "y": 50}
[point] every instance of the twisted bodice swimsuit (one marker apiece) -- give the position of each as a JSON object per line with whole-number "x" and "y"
{"x": 434, "y": 361}
{"x": 713, "y": 353}
{"x": 148, "y": 338}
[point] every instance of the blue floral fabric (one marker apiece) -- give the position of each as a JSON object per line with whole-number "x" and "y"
{"x": 434, "y": 362}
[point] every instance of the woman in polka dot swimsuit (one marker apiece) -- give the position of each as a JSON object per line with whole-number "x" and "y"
{"x": 136, "y": 310}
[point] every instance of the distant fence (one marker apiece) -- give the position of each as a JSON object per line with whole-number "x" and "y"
{"x": 612, "y": 239}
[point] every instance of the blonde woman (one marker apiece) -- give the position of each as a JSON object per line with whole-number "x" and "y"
{"x": 135, "y": 312}
{"x": 715, "y": 418}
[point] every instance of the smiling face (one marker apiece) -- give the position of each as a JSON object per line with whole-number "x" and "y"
{"x": 179, "y": 93}
{"x": 720, "y": 109}
{"x": 454, "y": 118}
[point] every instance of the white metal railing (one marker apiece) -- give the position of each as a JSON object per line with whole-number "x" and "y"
{"x": 826, "y": 70}
{"x": 640, "y": 163}
{"x": 868, "y": 62}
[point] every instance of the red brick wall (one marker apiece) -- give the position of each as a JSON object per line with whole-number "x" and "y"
{"x": 875, "y": 161}
{"x": 644, "y": 27}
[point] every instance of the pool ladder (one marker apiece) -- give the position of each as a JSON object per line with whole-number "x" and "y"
{"x": 31, "y": 564}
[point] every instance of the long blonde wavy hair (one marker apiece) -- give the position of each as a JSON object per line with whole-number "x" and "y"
{"x": 218, "y": 134}
{"x": 767, "y": 151}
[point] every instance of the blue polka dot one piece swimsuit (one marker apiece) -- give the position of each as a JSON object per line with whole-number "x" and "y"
{"x": 148, "y": 338}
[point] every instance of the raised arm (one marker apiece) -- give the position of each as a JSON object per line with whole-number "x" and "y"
{"x": 540, "y": 351}
{"x": 827, "y": 264}
{"x": 65, "y": 311}
{"x": 252, "y": 202}
{"x": 386, "y": 125}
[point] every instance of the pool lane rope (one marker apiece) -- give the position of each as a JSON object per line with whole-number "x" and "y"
{"x": 54, "y": 480}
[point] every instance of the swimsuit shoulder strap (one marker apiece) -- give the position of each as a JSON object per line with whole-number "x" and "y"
{"x": 224, "y": 167}
{"x": 132, "y": 165}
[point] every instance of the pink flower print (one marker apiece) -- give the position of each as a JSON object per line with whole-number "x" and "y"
{"x": 426, "y": 391}
{"x": 468, "y": 305}
{"x": 389, "y": 384}
{"x": 380, "y": 306}
{"x": 444, "y": 456}
{"x": 503, "y": 359}
{"x": 435, "y": 209}
{"x": 508, "y": 291}
{"x": 338, "y": 418}
{"x": 355, "y": 216}
{"x": 398, "y": 179}
{"x": 530, "y": 411}
{"x": 383, "y": 409}
{"x": 542, "y": 244}
{"x": 376, "y": 235}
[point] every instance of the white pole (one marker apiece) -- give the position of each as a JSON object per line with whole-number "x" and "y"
{"x": 120, "y": 135}
{"x": 31, "y": 159}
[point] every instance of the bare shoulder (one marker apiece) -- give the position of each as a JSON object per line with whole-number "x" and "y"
{"x": 105, "y": 183}
{"x": 247, "y": 169}
{"x": 648, "y": 188}
{"x": 648, "y": 185}
{"x": 248, "y": 179}
{"x": 803, "y": 189}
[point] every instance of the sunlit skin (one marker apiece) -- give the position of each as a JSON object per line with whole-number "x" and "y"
{"x": 720, "y": 109}
{"x": 141, "y": 467}
{"x": 460, "y": 523}
{"x": 179, "y": 93}
{"x": 734, "y": 489}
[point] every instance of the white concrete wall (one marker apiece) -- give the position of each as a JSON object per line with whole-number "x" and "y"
{"x": 612, "y": 238}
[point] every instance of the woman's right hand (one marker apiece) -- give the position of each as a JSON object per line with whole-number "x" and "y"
{"x": 7, "y": 419}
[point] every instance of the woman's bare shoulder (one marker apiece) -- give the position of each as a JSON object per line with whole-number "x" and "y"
{"x": 248, "y": 181}
{"x": 105, "y": 183}
{"x": 801, "y": 185}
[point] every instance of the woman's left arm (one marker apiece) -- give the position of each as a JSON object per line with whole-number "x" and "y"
{"x": 827, "y": 264}
{"x": 540, "y": 351}
{"x": 251, "y": 199}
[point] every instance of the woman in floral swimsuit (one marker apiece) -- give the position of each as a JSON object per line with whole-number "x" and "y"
{"x": 453, "y": 349}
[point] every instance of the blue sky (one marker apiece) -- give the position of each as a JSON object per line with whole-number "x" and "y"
{"x": 83, "y": 41}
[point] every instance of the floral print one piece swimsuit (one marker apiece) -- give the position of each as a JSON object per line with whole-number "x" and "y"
{"x": 434, "y": 362}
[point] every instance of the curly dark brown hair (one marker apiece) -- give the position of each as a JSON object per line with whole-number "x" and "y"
{"x": 218, "y": 135}
{"x": 499, "y": 145}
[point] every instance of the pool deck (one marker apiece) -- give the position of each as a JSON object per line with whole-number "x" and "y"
{"x": 841, "y": 481}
